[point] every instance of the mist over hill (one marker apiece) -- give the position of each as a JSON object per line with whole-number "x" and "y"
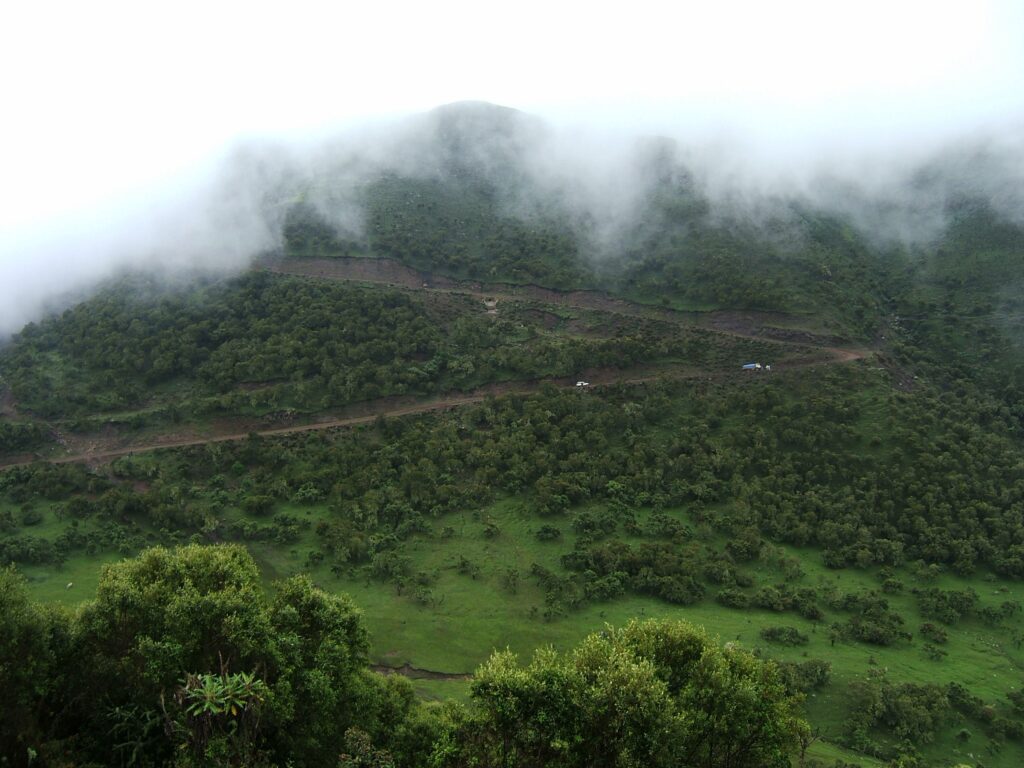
{"x": 472, "y": 350}
{"x": 485, "y": 191}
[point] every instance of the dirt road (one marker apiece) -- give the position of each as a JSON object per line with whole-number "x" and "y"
{"x": 387, "y": 408}
{"x": 750, "y": 325}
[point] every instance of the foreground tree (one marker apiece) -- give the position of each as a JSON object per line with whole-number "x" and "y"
{"x": 33, "y": 642}
{"x": 186, "y": 652}
{"x": 655, "y": 693}
{"x": 183, "y": 659}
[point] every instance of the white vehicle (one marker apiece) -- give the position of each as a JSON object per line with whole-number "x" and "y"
{"x": 582, "y": 383}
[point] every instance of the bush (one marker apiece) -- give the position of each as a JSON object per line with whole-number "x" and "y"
{"x": 548, "y": 533}
{"x": 650, "y": 677}
{"x": 784, "y": 636}
{"x": 946, "y": 606}
{"x": 733, "y": 598}
{"x": 31, "y": 516}
{"x": 933, "y": 633}
{"x": 805, "y": 676}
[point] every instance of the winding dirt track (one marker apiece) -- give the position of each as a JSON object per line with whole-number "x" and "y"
{"x": 385, "y": 407}
{"x": 748, "y": 325}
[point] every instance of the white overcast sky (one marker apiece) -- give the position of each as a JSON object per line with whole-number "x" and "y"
{"x": 102, "y": 100}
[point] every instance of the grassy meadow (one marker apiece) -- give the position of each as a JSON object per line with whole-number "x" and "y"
{"x": 467, "y": 616}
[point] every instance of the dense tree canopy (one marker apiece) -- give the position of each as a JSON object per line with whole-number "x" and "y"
{"x": 264, "y": 343}
{"x": 182, "y": 659}
{"x": 650, "y": 694}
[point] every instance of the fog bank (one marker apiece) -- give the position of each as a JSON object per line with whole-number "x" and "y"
{"x": 216, "y": 216}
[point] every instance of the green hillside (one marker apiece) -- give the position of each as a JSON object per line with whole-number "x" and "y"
{"x": 496, "y": 431}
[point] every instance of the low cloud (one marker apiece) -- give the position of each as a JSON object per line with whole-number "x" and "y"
{"x": 599, "y": 176}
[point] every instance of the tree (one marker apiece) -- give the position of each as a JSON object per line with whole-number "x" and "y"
{"x": 655, "y": 693}
{"x": 172, "y": 623}
{"x": 33, "y": 651}
{"x": 217, "y": 719}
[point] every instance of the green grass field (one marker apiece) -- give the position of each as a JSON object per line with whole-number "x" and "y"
{"x": 446, "y": 619}
{"x": 475, "y": 616}
{"x": 467, "y": 617}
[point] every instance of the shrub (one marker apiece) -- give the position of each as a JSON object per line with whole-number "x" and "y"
{"x": 785, "y": 636}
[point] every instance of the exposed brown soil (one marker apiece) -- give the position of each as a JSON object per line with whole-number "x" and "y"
{"x": 389, "y": 272}
{"x": 843, "y": 355}
{"x": 93, "y": 449}
{"x": 766, "y": 325}
{"x": 414, "y": 673}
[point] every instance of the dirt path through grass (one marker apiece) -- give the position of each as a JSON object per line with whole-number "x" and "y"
{"x": 414, "y": 673}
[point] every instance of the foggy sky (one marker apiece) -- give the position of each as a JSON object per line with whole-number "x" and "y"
{"x": 118, "y": 118}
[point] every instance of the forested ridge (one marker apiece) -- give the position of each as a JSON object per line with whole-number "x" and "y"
{"x": 265, "y": 342}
